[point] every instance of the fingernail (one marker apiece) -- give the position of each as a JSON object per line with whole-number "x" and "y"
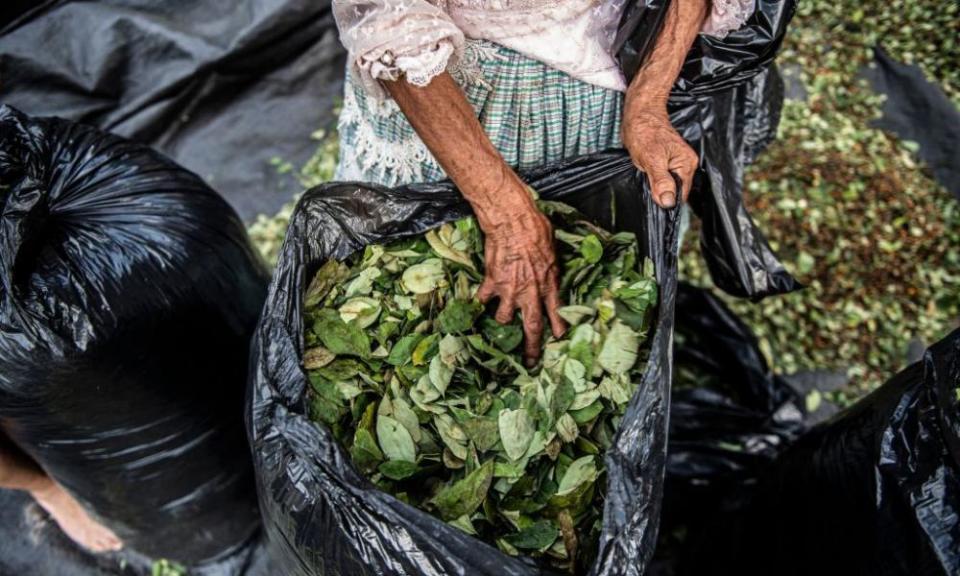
{"x": 530, "y": 362}
{"x": 668, "y": 199}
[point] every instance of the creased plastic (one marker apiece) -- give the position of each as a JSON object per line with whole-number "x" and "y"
{"x": 875, "y": 490}
{"x": 724, "y": 434}
{"x": 745, "y": 417}
{"x": 321, "y": 516}
{"x": 726, "y": 104}
{"x": 128, "y": 294}
{"x": 223, "y": 87}
{"x": 31, "y": 544}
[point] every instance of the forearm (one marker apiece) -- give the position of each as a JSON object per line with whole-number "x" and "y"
{"x": 447, "y": 124}
{"x": 654, "y": 145}
{"x": 651, "y": 86}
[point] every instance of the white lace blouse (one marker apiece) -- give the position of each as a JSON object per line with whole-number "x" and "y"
{"x": 420, "y": 38}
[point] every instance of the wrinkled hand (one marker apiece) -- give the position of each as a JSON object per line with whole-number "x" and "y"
{"x": 657, "y": 149}
{"x": 522, "y": 272}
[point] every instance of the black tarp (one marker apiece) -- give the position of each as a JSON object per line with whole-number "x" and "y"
{"x": 31, "y": 544}
{"x": 918, "y": 110}
{"x": 221, "y": 87}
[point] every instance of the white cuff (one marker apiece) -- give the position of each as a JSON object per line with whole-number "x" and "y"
{"x": 418, "y": 68}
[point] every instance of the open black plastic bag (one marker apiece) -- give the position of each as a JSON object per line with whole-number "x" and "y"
{"x": 321, "y": 516}
{"x": 725, "y": 430}
{"x": 874, "y": 491}
{"x": 731, "y": 417}
{"x": 128, "y": 295}
{"x": 726, "y": 104}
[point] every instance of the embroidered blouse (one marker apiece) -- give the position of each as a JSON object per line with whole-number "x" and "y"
{"x": 420, "y": 38}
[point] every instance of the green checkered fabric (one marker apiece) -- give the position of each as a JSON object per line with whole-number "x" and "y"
{"x": 532, "y": 113}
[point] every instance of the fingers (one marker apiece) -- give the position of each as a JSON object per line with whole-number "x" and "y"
{"x": 684, "y": 163}
{"x": 486, "y": 291}
{"x": 552, "y": 300}
{"x": 662, "y": 186}
{"x": 686, "y": 177}
{"x": 532, "y": 326}
{"x": 505, "y": 310}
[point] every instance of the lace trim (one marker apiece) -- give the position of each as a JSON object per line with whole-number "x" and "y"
{"x": 395, "y": 162}
{"x": 468, "y": 70}
{"x": 391, "y": 162}
{"x": 498, "y": 4}
{"x": 418, "y": 69}
{"x": 727, "y": 16}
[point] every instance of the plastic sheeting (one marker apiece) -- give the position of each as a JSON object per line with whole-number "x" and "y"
{"x": 917, "y": 109}
{"x": 727, "y": 430}
{"x": 321, "y": 516}
{"x": 220, "y": 87}
{"x": 873, "y": 491}
{"x": 31, "y": 544}
{"x": 731, "y": 417}
{"x": 726, "y": 104}
{"x": 128, "y": 295}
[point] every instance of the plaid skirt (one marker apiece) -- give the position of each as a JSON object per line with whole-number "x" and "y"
{"x": 532, "y": 113}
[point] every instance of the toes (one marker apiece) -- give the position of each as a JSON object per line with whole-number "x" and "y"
{"x": 105, "y": 543}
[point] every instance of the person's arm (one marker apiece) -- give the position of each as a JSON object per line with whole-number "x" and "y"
{"x": 398, "y": 45}
{"x": 521, "y": 267}
{"x": 653, "y": 143}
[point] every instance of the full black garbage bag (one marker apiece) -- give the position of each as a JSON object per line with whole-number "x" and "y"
{"x": 874, "y": 491}
{"x": 128, "y": 295}
{"x": 726, "y": 104}
{"x": 321, "y": 516}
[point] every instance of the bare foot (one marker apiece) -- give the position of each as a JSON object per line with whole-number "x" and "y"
{"x": 74, "y": 520}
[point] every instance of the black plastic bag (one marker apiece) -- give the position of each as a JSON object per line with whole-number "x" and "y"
{"x": 731, "y": 416}
{"x": 321, "y": 516}
{"x": 874, "y": 491}
{"x": 726, "y": 104}
{"x": 128, "y": 295}
{"x": 723, "y": 432}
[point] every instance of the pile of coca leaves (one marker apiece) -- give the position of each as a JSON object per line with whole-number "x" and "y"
{"x": 429, "y": 395}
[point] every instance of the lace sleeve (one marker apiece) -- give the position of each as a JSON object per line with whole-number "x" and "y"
{"x": 389, "y": 38}
{"x": 727, "y": 15}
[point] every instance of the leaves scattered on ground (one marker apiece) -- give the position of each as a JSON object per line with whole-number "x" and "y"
{"x": 848, "y": 207}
